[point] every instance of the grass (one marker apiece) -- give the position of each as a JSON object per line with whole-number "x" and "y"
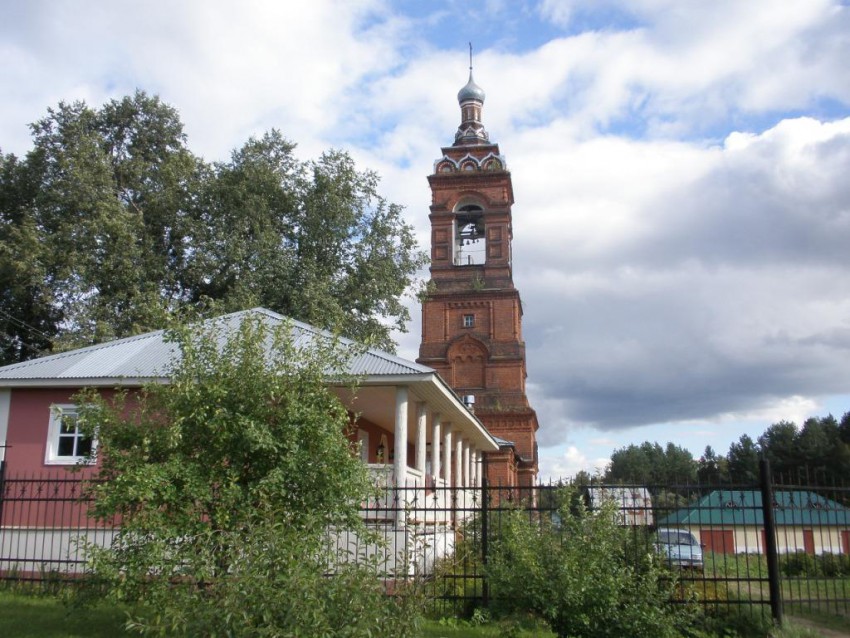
{"x": 748, "y": 580}
{"x": 822, "y": 590}
{"x": 27, "y": 616}
{"x": 792, "y": 631}
{"x": 828, "y": 619}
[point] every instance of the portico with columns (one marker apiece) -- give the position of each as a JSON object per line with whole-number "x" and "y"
{"x": 416, "y": 434}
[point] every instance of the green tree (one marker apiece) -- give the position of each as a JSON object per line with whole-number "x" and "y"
{"x": 101, "y": 208}
{"x": 822, "y": 455}
{"x": 312, "y": 240}
{"x": 712, "y": 468}
{"x": 631, "y": 463}
{"x": 816, "y": 452}
{"x": 679, "y": 465}
{"x": 743, "y": 460}
{"x": 779, "y": 445}
{"x": 583, "y": 478}
{"x": 28, "y": 312}
{"x": 227, "y": 480}
{"x": 652, "y": 464}
{"x": 111, "y": 226}
{"x": 844, "y": 428}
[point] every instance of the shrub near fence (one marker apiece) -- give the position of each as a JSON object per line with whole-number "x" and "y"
{"x": 444, "y": 537}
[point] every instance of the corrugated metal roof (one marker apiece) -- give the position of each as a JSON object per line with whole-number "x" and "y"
{"x": 149, "y": 356}
{"x": 744, "y": 507}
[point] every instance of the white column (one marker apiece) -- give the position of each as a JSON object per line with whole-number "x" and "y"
{"x": 435, "y": 445}
{"x": 421, "y": 432}
{"x": 400, "y": 459}
{"x": 459, "y": 477}
{"x": 479, "y": 468}
{"x": 467, "y": 466}
{"x": 447, "y": 453}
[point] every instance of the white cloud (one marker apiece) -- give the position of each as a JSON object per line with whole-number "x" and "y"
{"x": 232, "y": 69}
{"x": 793, "y": 408}
{"x": 568, "y": 463}
{"x": 687, "y": 66}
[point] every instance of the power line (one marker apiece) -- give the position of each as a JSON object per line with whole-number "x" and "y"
{"x": 23, "y": 324}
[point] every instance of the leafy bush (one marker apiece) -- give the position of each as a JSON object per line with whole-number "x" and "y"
{"x": 826, "y": 565}
{"x": 575, "y": 575}
{"x": 797, "y": 564}
{"x": 274, "y": 588}
{"x": 834, "y": 565}
{"x": 227, "y": 481}
{"x": 729, "y": 622}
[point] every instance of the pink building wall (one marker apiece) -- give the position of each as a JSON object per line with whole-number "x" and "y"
{"x": 29, "y": 418}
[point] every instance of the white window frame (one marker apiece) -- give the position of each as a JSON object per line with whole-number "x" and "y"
{"x": 469, "y": 321}
{"x": 51, "y": 454}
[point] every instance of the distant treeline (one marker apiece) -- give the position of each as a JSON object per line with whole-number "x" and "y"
{"x": 819, "y": 451}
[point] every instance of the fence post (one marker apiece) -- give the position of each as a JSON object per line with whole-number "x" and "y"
{"x": 485, "y": 538}
{"x": 770, "y": 540}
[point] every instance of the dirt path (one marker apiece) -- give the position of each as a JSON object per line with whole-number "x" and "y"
{"x": 821, "y": 631}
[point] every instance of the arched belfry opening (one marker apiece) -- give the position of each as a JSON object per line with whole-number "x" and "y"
{"x": 470, "y": 246}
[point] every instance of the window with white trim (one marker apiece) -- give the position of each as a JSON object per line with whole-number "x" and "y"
{"x": 66, "y": 444}
{"x": 468, "y": 321}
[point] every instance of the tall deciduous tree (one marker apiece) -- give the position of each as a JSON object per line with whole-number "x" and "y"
{"x": 29, "y": 315}
{"x": 314, "y": 240}
{"x": 102, "y": 207}
{"x": 111, "y": 225}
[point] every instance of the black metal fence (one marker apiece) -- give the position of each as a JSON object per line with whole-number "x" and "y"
{"x": 43, "y": 525}
{"x": 762, "y": 545}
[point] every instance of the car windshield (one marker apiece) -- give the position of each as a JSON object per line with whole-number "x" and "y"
{"x": 672, "y": 537}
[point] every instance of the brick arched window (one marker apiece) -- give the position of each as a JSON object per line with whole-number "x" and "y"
{"x": 467, "y": 358}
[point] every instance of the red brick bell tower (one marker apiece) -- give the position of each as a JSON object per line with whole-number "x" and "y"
{"x": 472, "y": 317}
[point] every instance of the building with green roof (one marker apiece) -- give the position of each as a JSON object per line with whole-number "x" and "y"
{"x": 732, "y": 521}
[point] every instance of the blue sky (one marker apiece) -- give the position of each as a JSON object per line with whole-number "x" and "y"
{"x": 680, "y": 169}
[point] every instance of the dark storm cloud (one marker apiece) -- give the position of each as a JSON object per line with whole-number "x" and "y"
{"x": 732, "y": 294}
